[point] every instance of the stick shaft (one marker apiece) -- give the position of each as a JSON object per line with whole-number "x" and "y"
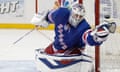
{"x": 45, "y": 36}
{"x": 23, "y": 36}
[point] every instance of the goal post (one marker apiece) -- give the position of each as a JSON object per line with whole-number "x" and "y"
{"x": 97, "y": 48}
{"x": 36, "y": 6}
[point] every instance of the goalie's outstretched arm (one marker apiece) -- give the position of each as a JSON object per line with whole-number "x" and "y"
{"x": 99, "y": 34}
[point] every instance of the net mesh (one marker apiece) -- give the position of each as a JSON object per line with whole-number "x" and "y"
{"x": 110, "y": 50}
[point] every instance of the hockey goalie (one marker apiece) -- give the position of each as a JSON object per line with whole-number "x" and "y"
{"x": 72, "y": 34}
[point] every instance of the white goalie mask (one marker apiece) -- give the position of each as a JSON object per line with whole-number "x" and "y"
{"x": 77, "y": 14}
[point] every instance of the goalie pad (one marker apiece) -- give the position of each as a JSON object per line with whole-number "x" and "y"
{"x": 52, "y": 63}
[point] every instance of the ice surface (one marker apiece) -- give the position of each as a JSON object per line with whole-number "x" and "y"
{"x": 20, "y": 57}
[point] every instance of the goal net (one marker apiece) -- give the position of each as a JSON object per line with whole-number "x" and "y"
{"x": 110, "y": 50}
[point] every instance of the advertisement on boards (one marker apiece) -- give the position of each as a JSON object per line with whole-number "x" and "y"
{"x": 11, "y": 8}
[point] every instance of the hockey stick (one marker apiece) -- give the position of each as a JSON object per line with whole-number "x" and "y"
{"x": 23, "y": 36}
{"x": 45, "y": 35}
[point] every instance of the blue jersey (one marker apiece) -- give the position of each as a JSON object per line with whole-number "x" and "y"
{"x": 67, "y": 36}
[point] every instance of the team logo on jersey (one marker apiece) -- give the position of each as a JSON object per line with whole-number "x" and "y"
{"x": 67, "y": 27}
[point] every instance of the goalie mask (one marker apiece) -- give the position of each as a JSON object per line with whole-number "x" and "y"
{"x": 77, "y": 14}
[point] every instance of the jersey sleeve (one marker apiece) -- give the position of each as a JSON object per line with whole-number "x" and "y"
{"x": 88, "y": 38}
{"x": 59, "y": 16}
